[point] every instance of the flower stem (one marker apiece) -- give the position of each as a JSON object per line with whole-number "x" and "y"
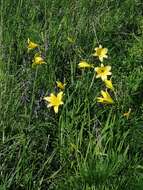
{"x": 93, "y": 78}
{"x": 33, "y": 95}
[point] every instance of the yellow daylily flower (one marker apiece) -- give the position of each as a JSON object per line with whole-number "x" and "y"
{"x": 54, "y": 101}
{"x": 31, "y": 45}
{"x": 109, "y": 84}
{"x": 60, "y": 85}
{"x": 106, "y": 98}
{"x": 84, "y": 64}
{"x": 127, "y": 114}
{"x": 101, "y": 53}
{"x": 71, "y": 40}
{"x": 103, "y": 72}
{"x": 38, "y": 60}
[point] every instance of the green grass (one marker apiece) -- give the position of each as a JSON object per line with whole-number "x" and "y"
{"x": 86, "y": 146}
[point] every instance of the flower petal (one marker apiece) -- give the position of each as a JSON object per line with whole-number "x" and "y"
{"x": 108, "y": 68}
{"x": 105, "y": 50}
{"x": 109, "y": 84}
{"x": 99, "y": 99}
{"x": 104, "y": 77}
{"x": 96, "y": 68}
{"x": 60, "y": 95}
{"x": 103, "y": 94}
{"x": 47, "y": 98}
{"x": 98, "y": 76}
{"x": 56, "y": 109}
{"x": 105, "y": 56}
{"x": 49, "y": 105}
{"x": 109, "y": 73}
{"x": 101, "y": 58}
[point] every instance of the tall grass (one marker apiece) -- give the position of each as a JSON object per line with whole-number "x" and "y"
{"x": 86, "y": 146}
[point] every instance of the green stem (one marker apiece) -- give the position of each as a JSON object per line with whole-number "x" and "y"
{"x": 93, "y": 78}
{"x": 115, "y": 94}
{"x": 33, "y": 95}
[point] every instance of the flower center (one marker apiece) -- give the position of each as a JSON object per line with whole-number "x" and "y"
{"x": 102, "y": 70}
{"x": 99, "y": 51}
{"x": 56, "y": 101}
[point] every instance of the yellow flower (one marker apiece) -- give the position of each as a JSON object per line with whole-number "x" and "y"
{"x": 60, "y": 85}
{"x": 109, "y": 84}
{"x": 54, "y": 101}
{"x": 127, "y": 114}
{"x": 101, "y": 53}
{"x": 103, "y": 72}
{"x": 31, "y": 45}
{"x": 106, "y": 98}
{"x": 38, "y": 60}
{"x": 71, "y": 40}
{"x": 84, "y": 64}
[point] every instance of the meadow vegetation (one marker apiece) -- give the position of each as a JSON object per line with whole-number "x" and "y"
{"x": 85, "y": 143}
